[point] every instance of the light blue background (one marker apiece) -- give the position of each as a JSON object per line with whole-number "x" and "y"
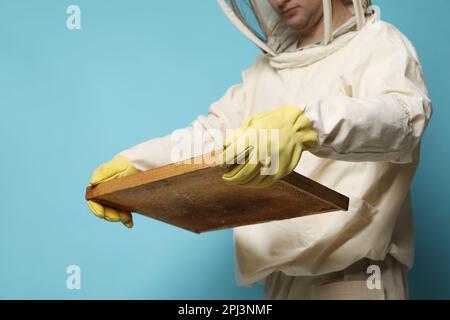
{"x": 70, "y": 100}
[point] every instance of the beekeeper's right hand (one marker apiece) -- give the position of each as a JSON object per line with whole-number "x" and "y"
{"x": 118, "y": 167}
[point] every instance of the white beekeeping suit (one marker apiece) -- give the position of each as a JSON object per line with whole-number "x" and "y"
{"x": 363, "y": 89}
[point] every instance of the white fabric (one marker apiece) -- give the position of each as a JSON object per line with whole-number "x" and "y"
{"x": 349, "y": 25}
{"x": 357, "y": 282}
{"x": 293, "y": 47}
{"x": 365, "y": 95}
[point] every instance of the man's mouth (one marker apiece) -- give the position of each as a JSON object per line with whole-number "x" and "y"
{"x": 289, "y": 11}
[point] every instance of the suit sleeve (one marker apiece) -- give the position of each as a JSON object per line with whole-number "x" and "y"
{"x": 384, "y": 113}
{"x": 203, "y": 135}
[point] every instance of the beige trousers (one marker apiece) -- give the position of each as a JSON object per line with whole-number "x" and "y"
{"x": 357, "y": 282}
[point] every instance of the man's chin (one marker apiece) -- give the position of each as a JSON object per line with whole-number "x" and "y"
{"x": 297, "y": 23}
{"x": 297, "y": 26}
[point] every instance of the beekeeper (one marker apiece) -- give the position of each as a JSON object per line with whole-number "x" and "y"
{"x": 346, "y": 93}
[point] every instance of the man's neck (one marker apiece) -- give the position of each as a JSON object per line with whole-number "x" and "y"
{"x": 340, "y": 15}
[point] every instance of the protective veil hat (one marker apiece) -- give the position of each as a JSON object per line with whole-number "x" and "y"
{"x": 260, "y": 22}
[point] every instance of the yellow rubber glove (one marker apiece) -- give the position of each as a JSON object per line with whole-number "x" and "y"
{"x": 116, "y": 168}
{"x": 295, "y": 134}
